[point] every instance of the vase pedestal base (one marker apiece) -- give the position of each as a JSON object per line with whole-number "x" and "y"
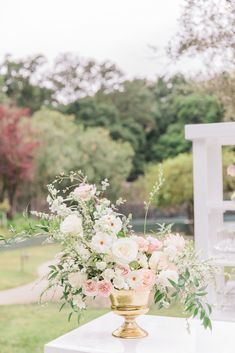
{"x": 130, "y": 329}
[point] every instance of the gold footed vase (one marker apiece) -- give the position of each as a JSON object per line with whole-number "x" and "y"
{"x": 130, "y": 304}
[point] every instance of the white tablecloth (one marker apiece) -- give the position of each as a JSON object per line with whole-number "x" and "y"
{"x": 166, "y": 335}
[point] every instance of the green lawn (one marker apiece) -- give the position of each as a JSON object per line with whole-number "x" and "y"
{"x": 26, "y": 328}
{"x": 11, "y": 272}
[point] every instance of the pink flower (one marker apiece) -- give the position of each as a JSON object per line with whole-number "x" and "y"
{"x": 154, "y": 244}
{"x": 158, "y": 261}
{"x": 231, "y": 170}
{"x": 90, "y": 288}
{"x": 148, "y": 278}
{"x": 104, "y": 288}
{"x": 84, "y": 192}
{"x": 144, "y": 279}
{"x": 124, "y": 269}
{"x": 141, "y": 241}
{"x": 172, "y": 266}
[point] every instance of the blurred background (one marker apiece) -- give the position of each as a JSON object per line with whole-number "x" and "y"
{"x": 105, "y": 87}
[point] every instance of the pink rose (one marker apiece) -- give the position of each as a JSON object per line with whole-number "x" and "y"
{"x": 141, "y": 241}
{"x": 231, "y": 170}
{"x": 147, "y": 279}
{"x": 84, "y": 192}
{"x": 158, "y": 261}
{"x": 104, "y": 288}
{"x": 90, "y": 288}
{"x": 124, "y": 268}
{"x": 153, "y": 244}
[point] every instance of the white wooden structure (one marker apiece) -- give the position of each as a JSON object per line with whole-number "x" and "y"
{"x": 209, "y": 205}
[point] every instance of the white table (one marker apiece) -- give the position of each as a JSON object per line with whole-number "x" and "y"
{"x": 166, "y": 335}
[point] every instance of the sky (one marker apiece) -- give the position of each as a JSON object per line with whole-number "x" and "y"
{"x": 121, "y": 31}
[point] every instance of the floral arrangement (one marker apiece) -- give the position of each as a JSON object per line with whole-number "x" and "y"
{"x": 101, "y": 252}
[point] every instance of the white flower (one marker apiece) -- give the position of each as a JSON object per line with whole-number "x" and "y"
{"x": 57, "y": 206}
{"x": 108, "y": 274}
{"x": 78, "y": 301}
{"x": 134, "y": 279}
{"x": 101, "y": 242}
{"x": 175, "y": 240}
{"x": 83, "y": 252}
{"x": 76, "y": 279}
{"x": 72, "y": 224}
{"x": 125, "y": 250}
{"x": 49, "y": 199}
{"x": 84, "y": 192}
{"x": 143, "y": 260}
{"x": 104, "y": 184}
{"x": 171, "y": 252}
{"x": 101, "y": 265}
{"x": 119, "y": 282}
{"x": 165, "y": 275}
{"x": 158, "y": 260}
{"x": 108, "y": 223}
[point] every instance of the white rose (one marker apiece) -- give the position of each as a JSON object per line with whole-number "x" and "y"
{"x": 171, "y": 252}
{"x": 125, "y": 250}
{"x": 119, "y": 282}
{"x": 84, "y": 192}
{"x": 72, "y": 224}
{"x": 76, "y": 279}
{"x": 101, "y": 265}
{"x": 175, "y": 240}
{"x": 165, "y": 275}
{"x": 158, "y": 260}
{"x": 101, "y": 242}
{"x": 108, "y": 274}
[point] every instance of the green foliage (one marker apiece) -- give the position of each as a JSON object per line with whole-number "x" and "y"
{"x": 228, "y": 181}
{"x": 171, "y": 143}
{"x": 57, "y": 151}
{"x": 194, "y": 108}
{"x": 100, "y": 157}
{"x": 178, "y": 186}
{"x": 67, "y": 146}
{"x": 128, "y": 114}
{"x": 198, "y": 108}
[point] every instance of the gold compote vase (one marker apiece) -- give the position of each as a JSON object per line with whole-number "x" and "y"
{"x": 130, "y": 304}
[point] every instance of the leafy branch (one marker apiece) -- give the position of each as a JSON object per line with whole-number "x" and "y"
{"x": 156, "y": 188}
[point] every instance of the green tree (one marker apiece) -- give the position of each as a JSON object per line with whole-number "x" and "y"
{"x": 73, "y": 77}
{"x": 127, "y": 113}
{"x": 65, "y": 146}
{"x": 177, "y": 189}
{"x": 21, "y": 84}
{"x": 198, "y": 108}
{"x": 206, "y": 32}
{"x": 171, "y": 143}
{"x": 57, "y": 151}
{"x": 101, "y": 157}
{"x": 193, "y": 108}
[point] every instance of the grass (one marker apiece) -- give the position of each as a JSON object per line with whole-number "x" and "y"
{"x": 14, "y": 273}
{"x": 26, "y": 328}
